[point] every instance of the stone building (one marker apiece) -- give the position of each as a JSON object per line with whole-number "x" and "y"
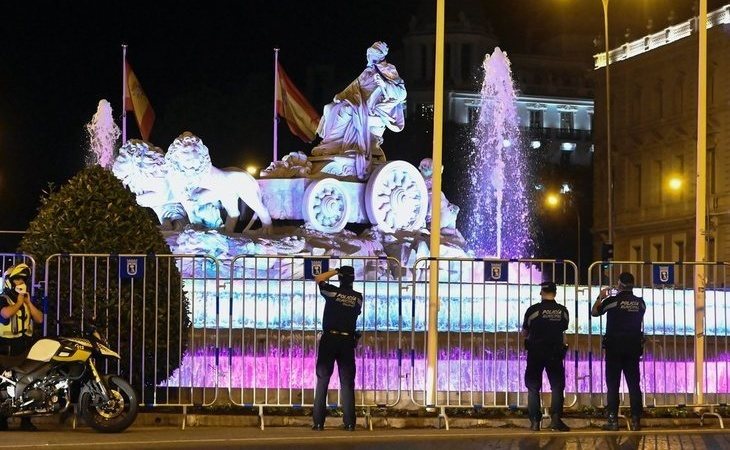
{"x": 653, "y": 83}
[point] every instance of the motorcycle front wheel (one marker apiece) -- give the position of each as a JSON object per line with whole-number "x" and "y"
{"x": 113, "y": 416}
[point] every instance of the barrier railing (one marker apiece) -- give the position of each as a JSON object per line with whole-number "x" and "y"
{"x": 189, "y": 325}
{"x": 481, "y": 357}
{"x": 144, "y": 303}
{"x": 274, "y": 324}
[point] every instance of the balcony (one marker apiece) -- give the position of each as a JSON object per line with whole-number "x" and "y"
{"x": 557, "y": 133}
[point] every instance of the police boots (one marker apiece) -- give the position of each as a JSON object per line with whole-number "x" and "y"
{"x": 611, "y": 424}
{"x": 556, "y": 424}
{"x": 534, "y": 424}
{"x": 635, "y": 423}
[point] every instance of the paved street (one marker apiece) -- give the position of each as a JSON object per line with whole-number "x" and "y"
{"x": 388, "y": 439}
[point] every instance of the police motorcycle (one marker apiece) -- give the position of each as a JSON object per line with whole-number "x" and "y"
{"x": 58, "y": 372}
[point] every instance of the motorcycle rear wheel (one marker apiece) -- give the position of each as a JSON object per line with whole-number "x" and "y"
{"x": 116, "y": 415}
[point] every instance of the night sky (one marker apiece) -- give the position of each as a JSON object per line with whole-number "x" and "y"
{"x": 207, "y": 67}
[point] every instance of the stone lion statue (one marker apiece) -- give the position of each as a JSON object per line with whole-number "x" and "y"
{"x": 142, "y": 168}
{"x": 194, "y": 181}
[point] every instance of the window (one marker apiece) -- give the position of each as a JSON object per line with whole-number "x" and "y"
{"x": 636, "y": 104}
{"x": 678, "y": 247}
{"x": 566, "y": 121}
{"x": 657, "y": 249}
{"x": 637, "y": 185}
{"x": 658, "y": 186}
{"x": 466, "y": 62}
{"x": 536, "y": 119}
{"x": 636, "y": 247}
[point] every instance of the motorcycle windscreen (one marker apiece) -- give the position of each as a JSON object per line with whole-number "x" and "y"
{"x": 43, "y": 350}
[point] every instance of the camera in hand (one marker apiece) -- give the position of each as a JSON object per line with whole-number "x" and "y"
{"x": 21, "y": 289}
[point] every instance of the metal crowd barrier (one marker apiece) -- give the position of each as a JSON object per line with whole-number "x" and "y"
{"x": 144, "y": 304}
{"x": 669, "y": 359}
{"x": 274, "y": 324}
{"x": 481, "y": 359}
{"x": 187, "y": 326}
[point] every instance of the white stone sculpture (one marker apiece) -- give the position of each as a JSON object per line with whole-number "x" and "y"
{"x": 293, "y": 165}
{"x": 194, "y": 181}
{"x": 142, "y": 168}
{"x": 354, "y": 123}
{"x": 449, "y": 211}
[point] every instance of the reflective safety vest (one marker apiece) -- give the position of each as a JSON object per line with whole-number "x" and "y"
{"x": 19, "y": 324}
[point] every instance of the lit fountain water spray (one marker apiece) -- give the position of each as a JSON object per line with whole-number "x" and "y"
{"x": 103, "y": 134}
{"x": 498, "y": 225}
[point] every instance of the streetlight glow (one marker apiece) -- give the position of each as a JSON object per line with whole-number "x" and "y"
{"x": 552, "y": 200}
{"x": 675, "y": 183}
{"x": 253, "y": 170}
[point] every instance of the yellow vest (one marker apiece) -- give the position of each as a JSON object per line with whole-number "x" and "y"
{"x": 19, "y": 324}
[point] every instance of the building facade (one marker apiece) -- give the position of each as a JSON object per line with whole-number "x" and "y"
{"x": 653, "y": 85}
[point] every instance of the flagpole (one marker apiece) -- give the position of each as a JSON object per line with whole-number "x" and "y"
{"x": 124, "y": 93}
{"x": 276, "y": 90}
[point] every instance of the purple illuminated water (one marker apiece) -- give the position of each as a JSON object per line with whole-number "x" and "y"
{"x": 457, "y": 371}
{"x": 498, "y": 224}
{"x": 103, "y": 134}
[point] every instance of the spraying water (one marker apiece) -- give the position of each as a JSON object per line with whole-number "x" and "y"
{"x": 103, "y": 134}
{"x": 499, "y": 225}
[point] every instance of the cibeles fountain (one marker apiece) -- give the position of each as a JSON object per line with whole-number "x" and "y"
{"x": 345, "y": 183}
{"x": 346, "y": 180}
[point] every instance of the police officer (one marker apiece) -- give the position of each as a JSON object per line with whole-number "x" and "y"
{"x": 342, "y": 306}
{"x": 623, "y": 343}
{"x": 543, "y": 326}
{"x": 17, "y": 315}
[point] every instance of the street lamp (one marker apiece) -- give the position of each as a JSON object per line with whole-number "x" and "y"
{"x": 675, "y": 183}
{"x": 609, "y": 170}
{"x": 553, "y": 201}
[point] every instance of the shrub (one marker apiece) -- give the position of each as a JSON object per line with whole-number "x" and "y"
{"x": 95, "y": 214}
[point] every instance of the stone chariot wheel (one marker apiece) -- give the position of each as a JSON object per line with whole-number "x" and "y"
{"x": 326, "y": 206}
{"x": 396, "y": 197}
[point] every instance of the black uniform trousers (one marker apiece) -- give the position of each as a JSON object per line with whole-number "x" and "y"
{"x": 339, "y": 348}
{"x": 623, "y": 356}
{"x": 551, "y": 361}
{"x": 15, "y": 346}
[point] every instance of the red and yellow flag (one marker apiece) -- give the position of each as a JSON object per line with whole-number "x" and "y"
{"x": 136, "y": 100}
{"x": 292, "y": 106}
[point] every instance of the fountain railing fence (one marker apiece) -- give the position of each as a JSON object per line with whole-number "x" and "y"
{"x": 193, "y": 330}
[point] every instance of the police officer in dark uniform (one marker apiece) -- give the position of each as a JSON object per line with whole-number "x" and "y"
{"x": 543, "y": 326}
{"x": 338, "y": 342}
{"x": 623, "y": 343}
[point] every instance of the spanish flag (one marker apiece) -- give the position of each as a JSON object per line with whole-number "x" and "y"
{"x": 292, "y": 106}
{"x": 136, "y": 100}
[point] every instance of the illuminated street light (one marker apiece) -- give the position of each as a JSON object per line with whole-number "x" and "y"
{"x": 253, "y": 170}
{"x": 675, "y": 183}
{"x": 553, "y": 201}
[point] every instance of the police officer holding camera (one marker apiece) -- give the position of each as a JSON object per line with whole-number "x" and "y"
{"x": 543, "y": 327}
{"x": 339, "y": 338}
{"x": 623, "y": 343}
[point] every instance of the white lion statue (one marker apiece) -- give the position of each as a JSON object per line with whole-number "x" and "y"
{"x": 194, "y": 181}
{"x": 142, "y": 168}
